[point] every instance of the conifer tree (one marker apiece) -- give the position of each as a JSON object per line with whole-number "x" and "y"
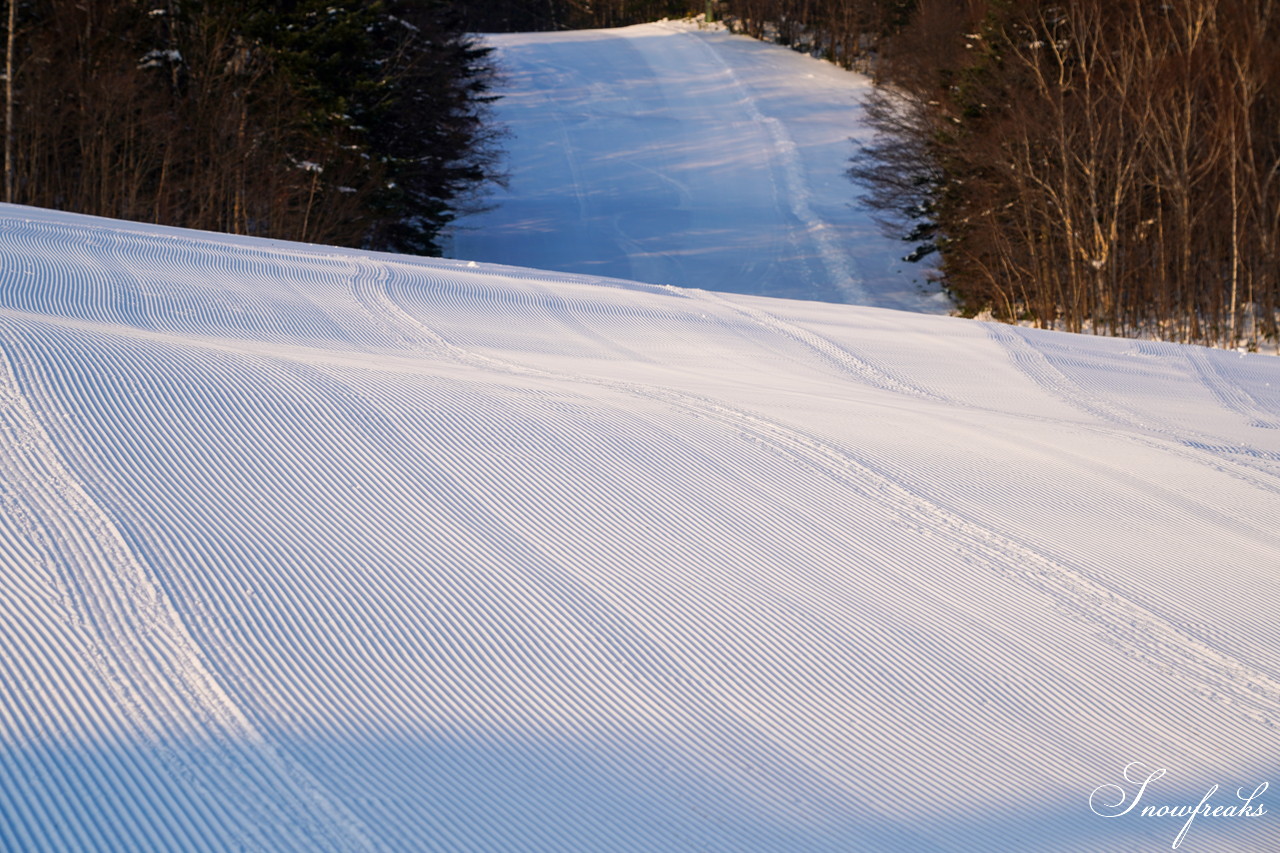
{"x": 343, "y": 122}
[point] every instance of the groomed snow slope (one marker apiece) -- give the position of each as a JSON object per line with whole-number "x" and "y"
{"x": 673, "y": 155}
{"x": 307, "y": 549}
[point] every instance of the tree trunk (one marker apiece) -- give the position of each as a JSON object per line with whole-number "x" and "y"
{"x": 8, "y": 103}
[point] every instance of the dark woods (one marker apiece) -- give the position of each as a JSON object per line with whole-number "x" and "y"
{"x": 515, "y": 16}
{"x": 1105, "y": 165}
{"x": 359, "y": 124}
{"x": 829, "y": 27}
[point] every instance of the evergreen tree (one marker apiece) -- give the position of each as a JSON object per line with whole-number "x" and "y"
{"x": 352, "y": 123}
{"x": 432, "y": 167}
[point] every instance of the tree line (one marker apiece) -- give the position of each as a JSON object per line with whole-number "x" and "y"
{"x": 1102, "y": 165}
{"x": 347, "y": 123}
{"x": 846, "y": 32}
{"x": 512, "y": 16}
{"x": 1105, "y": 165}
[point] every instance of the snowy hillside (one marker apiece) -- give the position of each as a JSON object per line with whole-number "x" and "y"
{"x": 307, "y": 549}
{"x": 673, "y": 155}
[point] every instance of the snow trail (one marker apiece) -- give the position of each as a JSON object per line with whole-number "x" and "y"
{"x": 304, "y": 548}
{"x": 673, "y": 155}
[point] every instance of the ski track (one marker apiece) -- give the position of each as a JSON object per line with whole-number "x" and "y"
{"x": 1230, "y": 395}
{"x": 1138, "y": 632}
{"x": 1235, "y": 458}
{"x": 844, "y": 361}
{"x": 309, "y": 549}
{"x": 840, "y": 269}
{"x": 137, "y": 645}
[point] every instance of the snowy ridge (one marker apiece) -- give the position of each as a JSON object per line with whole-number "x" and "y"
{"x": 311, "y": 549}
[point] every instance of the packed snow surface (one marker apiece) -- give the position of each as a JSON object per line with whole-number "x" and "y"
{"x": 673, "y": 155}
{"x": 307, "y": 549}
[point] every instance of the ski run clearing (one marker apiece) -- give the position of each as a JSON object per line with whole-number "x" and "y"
{"x": 308, "y": 549}
{"x": 672, "y": 155}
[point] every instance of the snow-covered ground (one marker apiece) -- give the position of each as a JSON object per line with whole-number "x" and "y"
{"x": 672, "y": 155}
{"x": 308, "y": 549}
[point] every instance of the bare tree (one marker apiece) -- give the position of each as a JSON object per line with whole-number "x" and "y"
{"x": 10, "y": 42}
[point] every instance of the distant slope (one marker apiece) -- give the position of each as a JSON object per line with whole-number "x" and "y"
{"x": 307, "y": 549}
{"x": 673, "y": 155}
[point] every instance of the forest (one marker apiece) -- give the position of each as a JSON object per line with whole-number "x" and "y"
{"x": 346, "y": 123}
{"x": 1104, "y": 165}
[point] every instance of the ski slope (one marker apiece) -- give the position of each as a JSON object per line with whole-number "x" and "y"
{"x": 311, "y": 549}
{"x": 668, "y": 154}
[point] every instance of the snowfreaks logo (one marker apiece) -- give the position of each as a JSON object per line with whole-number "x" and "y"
{"x": 1113, "y": 801}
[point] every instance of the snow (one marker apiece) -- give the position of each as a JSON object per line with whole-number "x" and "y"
{"x": 304, "y": 548}
{"x": 670, "y": 154}
{"x": 157, "y": 58}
